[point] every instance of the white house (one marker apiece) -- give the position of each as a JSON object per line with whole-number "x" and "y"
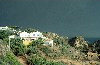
{"x": 31, "y": 36}
{"x": 4, "y": 28}
{"x": 23, "y": 35}
{"x": 28, "y": 37}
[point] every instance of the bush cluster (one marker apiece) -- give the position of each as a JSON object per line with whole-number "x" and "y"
{"x": 9, "y": 59}
{"x": 37, "y": 60}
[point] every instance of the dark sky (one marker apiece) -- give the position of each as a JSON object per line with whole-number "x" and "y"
{"x": 66, "y": 17}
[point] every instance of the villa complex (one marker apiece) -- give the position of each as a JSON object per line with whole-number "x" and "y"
{"x": 29, "y": 37}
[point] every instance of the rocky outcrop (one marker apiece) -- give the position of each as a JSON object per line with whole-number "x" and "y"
{"x": 96, "y": 46}
{"x": 3, "y": 48}
{"x": 50, "y": 35}
{"x": 92, "y": 56}
{"x": 78, "y": 42}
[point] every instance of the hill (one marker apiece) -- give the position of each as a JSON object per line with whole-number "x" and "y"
{"x": 74, "y": 51}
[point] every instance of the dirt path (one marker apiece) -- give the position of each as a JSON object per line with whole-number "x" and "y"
{"x": 70, "y": 62}
{"x": 79, "y": 62}
{"x": 22, "y": 60}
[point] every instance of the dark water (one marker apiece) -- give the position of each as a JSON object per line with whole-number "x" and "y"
{"x": 65, "y": 17}
{"x": 92, "y": 40}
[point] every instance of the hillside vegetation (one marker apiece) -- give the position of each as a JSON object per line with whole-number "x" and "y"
{"x": 65, "y": 51}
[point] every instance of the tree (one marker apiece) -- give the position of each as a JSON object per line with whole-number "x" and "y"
{"x": 32, "y": 48}
{"x": 5, "y": 34}
{"x": 9, "y": 59}
{"x": 17, "y": 47}
{"x": 37, "y": 60}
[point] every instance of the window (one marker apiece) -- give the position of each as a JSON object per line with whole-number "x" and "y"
{"x": 33, "y": 34}
{"x": 38, "y": 35}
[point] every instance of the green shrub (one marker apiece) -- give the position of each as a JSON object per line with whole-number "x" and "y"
{"x": 17, "y": 47}
{"x": 5, "y": 34}
{"x": 36, "y": 60}
{"x": 9, "y": 59}
{"x": 31, "y": 50}
{"x": 34, "y": 46}
{"x": 46, "y": 50}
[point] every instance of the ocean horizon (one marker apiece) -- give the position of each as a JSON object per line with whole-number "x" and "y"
{"x": 92, "y": 40}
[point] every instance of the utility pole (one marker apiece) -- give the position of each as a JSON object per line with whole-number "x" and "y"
{"x": 9, "y": 43}
{"x": 12, "y": 36}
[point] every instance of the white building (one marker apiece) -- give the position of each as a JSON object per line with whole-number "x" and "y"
{"x": 7, "y": 28}
{"x": 28, "y": 37}
{"x": 12, "y": 36}
{"x": 48, "y": 42}
{"x": 4, "y": 28}
{"x": 31, "y": 36}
